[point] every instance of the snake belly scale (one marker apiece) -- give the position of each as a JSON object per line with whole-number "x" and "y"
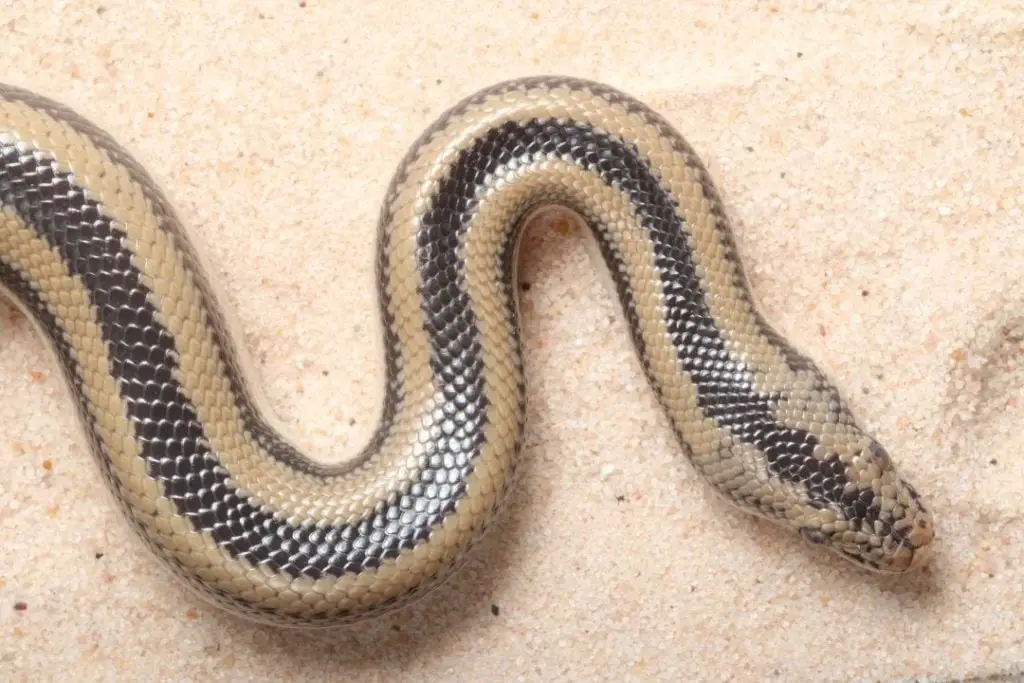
{"x": 93, "y": 252}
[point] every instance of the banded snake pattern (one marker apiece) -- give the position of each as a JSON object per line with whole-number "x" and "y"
{"x": 93, "y": 253}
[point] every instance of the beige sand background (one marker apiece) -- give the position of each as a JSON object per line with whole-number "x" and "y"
{"x": 871, "y": 155}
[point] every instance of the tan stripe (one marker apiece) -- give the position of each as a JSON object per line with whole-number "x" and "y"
{"x": 182, "y": 309}
{"x": 734, "y": 317}
{"x": 203, "y": 378}
{"x": 735, "y": 468}
{"x": 68, "y": 302}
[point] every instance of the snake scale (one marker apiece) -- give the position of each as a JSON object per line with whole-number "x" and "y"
{"x": 93, "y": 253}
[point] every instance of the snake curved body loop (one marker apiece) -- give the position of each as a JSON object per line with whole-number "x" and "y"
{"x": 92, "y": 251}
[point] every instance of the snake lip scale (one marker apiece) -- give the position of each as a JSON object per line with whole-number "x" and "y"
{"x": 92, "y": 251}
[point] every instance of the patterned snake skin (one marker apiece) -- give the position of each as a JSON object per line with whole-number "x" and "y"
{"x": 93, "y": 253}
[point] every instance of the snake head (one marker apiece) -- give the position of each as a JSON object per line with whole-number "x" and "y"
{"x": 867, "y": 513}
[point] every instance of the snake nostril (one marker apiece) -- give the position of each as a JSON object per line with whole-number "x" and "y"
{"x": 921, "y": 534}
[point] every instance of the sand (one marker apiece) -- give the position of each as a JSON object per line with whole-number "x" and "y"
{"x": 871, "y": 156}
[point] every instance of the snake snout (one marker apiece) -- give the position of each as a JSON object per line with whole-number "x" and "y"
{"x": 867, "y": 513}
{"x": 913, "y": 542}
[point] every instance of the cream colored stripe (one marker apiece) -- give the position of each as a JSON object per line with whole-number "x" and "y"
{"x": 733, "y": 316}
{"x": 735, "y": 468}
{"x": 680, "y": 173}
{"x": 181, "y": 308}
{"x": 68, "y": 302}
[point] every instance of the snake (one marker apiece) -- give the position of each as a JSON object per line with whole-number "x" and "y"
{"x": 95, "y": 255}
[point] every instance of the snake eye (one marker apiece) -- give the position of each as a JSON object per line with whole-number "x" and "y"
{"x": 813, "y": 536}
{"x": 880, "y": 455}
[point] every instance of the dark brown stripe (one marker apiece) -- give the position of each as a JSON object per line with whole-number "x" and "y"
{"x": 725, "y": 385}
{"x": 171, "y": 438}
{"x": 265, "y": 435}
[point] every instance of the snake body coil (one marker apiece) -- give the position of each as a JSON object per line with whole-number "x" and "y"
{"x": 93, "y": 252}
